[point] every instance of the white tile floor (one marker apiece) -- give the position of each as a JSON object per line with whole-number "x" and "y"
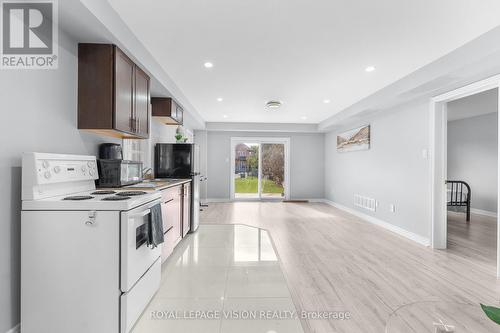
{"x": 225, "y": 270}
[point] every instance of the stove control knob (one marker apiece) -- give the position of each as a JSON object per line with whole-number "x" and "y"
{"x": 91, "y": 172}
{"x": 84, "y": 168}
{"x": 45, "y": 164}
{"x": 57, "y": 169}
{"x": 47, "y": 174}
{"x": 90, "y": 164}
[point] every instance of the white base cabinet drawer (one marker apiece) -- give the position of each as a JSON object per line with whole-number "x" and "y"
{"x": 133, "y": 303}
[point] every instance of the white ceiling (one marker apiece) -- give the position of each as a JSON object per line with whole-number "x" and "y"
{"x": 473, "y": 106}
{"x": 299, "y": 52}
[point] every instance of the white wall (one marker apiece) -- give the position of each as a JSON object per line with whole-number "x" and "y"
{"x": 472, "y": 157}
{"x": 39, "y": 112}
{"x": 306, "y": 163}
{"x": 393, "y": 171}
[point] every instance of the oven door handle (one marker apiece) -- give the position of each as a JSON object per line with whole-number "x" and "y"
{"x": 143, "y": 213}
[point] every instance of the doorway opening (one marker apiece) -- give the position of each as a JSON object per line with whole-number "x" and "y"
{"x": 464, "y": 171}
{"x": 259, "y": 168}
{"x": 472, "y": 172}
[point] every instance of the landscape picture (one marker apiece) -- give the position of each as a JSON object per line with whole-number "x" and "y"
{"x": 355, "y": 139}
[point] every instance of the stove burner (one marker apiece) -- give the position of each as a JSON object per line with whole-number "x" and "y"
{"x": 103, "y": 192}
{"x": 115, "y": 198}
{"x": 130, "y": 193}
{"x": 79, "y": 197}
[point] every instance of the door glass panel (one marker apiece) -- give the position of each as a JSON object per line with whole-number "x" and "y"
{"x": 246, "y": 170}
{"x": 273, "y": 170}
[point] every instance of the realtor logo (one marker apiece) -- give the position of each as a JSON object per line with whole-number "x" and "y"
{"x": 29, "y": 34}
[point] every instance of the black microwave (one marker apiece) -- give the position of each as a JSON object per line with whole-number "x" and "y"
{"x": 118, "y": 173}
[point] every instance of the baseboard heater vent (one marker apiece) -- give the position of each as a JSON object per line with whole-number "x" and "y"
{"x": 365, "y": 202}
{"x": 295, "y": 201}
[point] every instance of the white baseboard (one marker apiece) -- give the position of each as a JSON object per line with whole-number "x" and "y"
{"x": 15, "y": 329}
{"x": 391, "y": 227}
{"x": 309, "y": 199}
{"x": 214, "y": 200}
{"x": 483, "y": 212}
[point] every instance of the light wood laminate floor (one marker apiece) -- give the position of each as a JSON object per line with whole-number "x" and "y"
{"x": 334, "y": 261}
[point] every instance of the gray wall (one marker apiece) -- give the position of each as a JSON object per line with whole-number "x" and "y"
{"x": 473, "y": 157}
{"x": 393, "y": 171}
{"x": 200, "y": 138}
{"x": 38, "y": 109}
{"x": 306, "y": 163}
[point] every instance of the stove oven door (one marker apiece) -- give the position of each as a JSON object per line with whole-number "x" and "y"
{"x": 136, "y": 257}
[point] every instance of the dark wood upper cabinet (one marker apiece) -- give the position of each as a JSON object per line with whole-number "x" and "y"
{"x": 142, "y": 102}
{"x": 123, "y": 93}
{"x": 167, "y": 111}
{"x": 113, "y": 93}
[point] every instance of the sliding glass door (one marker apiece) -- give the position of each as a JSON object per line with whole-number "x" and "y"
{"x": 273, "y": 170}
{"x": 246, "y": 170}
{"x": 259, "y": 168}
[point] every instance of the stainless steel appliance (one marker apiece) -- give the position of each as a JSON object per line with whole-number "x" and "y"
{"x": 118, "y": 173}
{"x": 85, "y": 264}
{"x": 181, "y": 161}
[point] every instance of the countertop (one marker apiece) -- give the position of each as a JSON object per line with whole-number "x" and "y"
{"x": 157, "y": 184}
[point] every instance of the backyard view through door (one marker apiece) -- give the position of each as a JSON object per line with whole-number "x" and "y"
{"x": 259, "y": 170}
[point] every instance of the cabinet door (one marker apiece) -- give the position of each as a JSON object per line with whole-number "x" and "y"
{"x": 179, "y": 114}
{"x": 186, "y": 209}
{"x": 142, "y": 100}
{"x": 171, "y": 214}
{"x": 177, "y": 210}
{"x": 124, "y": 92}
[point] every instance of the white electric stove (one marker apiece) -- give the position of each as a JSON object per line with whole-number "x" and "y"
{"x": 85, "y": 261}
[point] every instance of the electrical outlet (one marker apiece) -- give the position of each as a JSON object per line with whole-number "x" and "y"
{"x": 392, "y": 208}
{"x": 425, "y": 154}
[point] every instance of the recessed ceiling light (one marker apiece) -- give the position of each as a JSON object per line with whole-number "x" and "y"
{"x": 273, "y": 104}
{"x": 370, "y": 69}
{"x": 326, "y": 101}
{"x": 224, "y": 116}
{"x": 208, "y": 64}
{"x": 303, "y": 117}
{"x": 220, "y": 99}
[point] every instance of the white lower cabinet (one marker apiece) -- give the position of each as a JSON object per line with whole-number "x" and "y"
{"x": 172, "y": 219}
{"x": 133, "y": 303}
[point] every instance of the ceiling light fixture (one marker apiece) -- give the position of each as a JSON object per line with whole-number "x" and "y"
{"x": 326, "y": 101}
{"x": 220, "y": 99}
{"x": 303, "y": 117}
{"x": 224, "y": 116}
{"x": 370, "y": 69}
{"x": 208, "y": 64}
{"x": 273, "y": 104}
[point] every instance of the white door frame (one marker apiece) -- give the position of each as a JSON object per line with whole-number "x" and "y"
{"x": 261, "y": 140}
{"x": 438, "y": 144}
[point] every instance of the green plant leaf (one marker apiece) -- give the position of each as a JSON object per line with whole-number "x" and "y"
{"x": 492, "y": 313}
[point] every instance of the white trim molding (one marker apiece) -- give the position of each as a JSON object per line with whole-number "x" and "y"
{"x": 388, "y": 226}
{"x": 483, "y": 212}
{"x": 216, "y": 200}
{"x": 438, "y": 160}
{"x": 260, "y": 140}
{"x": 15, "y": 329}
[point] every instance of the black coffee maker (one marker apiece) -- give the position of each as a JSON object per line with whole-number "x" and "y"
{"x": 110, "y": 151}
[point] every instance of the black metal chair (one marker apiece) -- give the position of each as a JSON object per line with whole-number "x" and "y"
{"x": 458, "y": 197}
